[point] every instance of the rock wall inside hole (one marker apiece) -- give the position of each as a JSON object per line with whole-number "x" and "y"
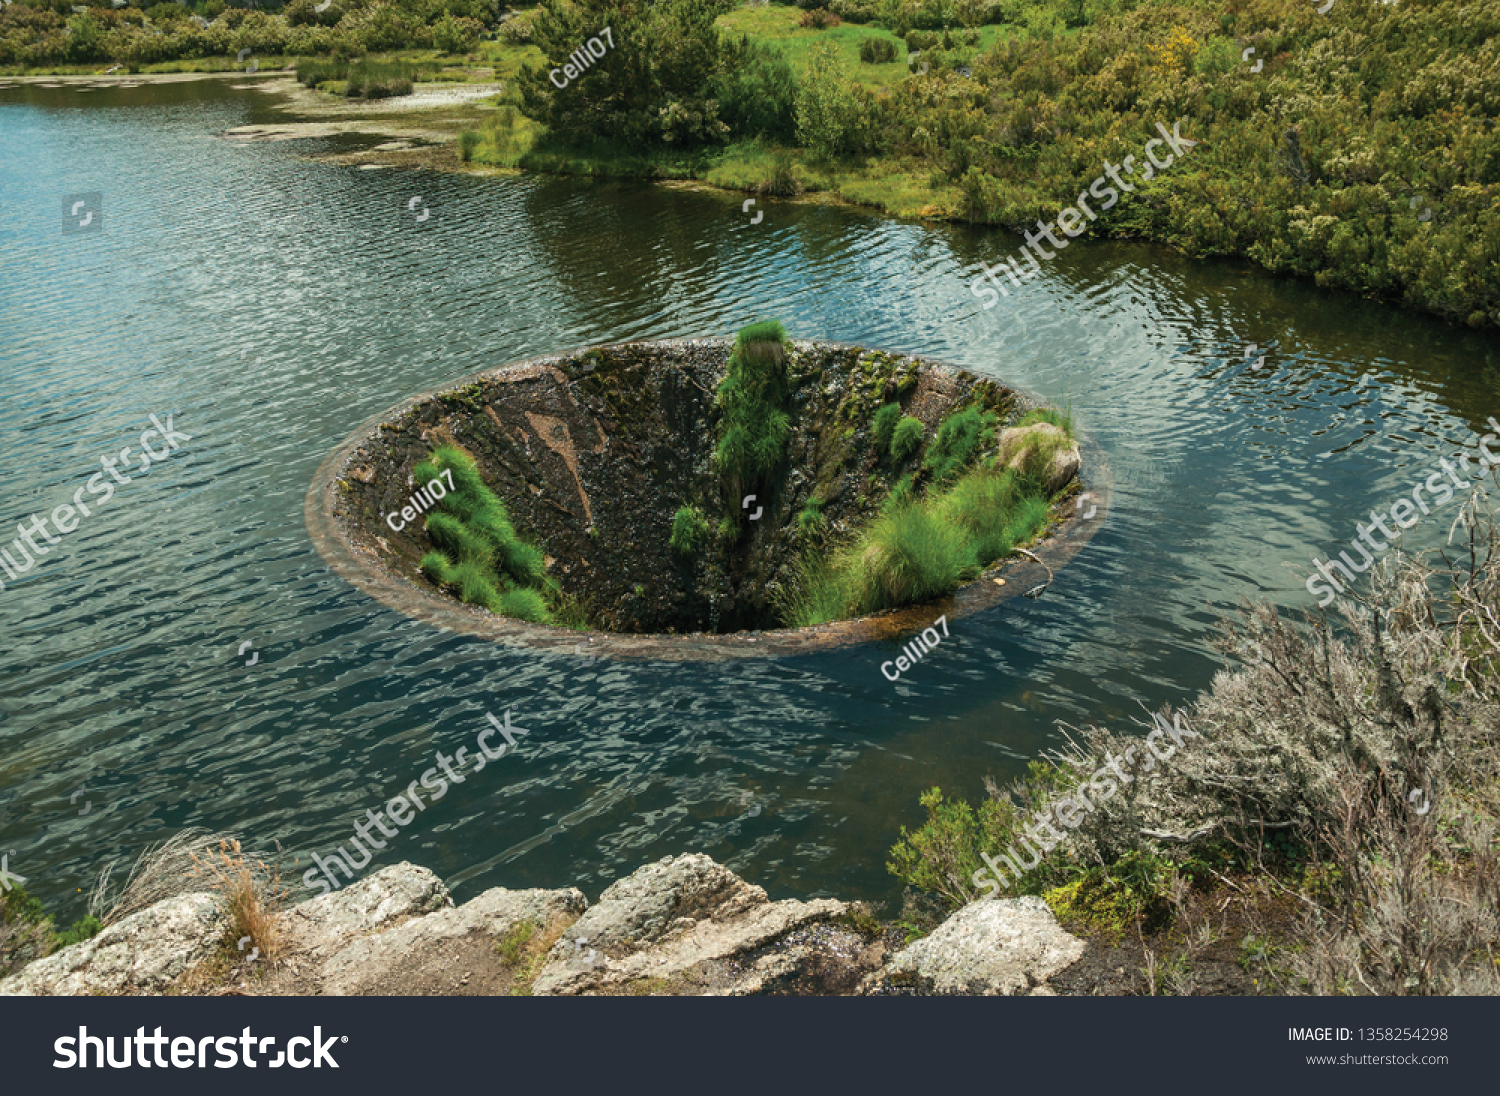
{"x": 594, "y": 453}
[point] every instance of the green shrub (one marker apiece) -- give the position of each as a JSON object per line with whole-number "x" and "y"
{"x": 834, "y": 114}
{"x": 85, "y": 928}
{"x": 468, "y": 141}
{"x": 883, "y": 425}
{"x": 27, "y": 931}
{"x": 910, "y": 555}
{"x": 757, "y": 92}
{"x": 942, "y": 856}
{"x": 907, "y": 438}
{"x": 452, "y": 35}
{"x": 877, "y": 51}
{"x": 957, "y": 442}
{"x": 689, "y": 530}
{"x": 653, "y": 87}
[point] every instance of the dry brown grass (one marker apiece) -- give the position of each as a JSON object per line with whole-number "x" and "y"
{"x": 252, "y": 892}
{"x": 524, "y": 949}
{"x": 162, "y": 871}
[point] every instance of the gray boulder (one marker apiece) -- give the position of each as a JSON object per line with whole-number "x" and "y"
{"x": 318, "y": 928}
{"x": 1003, "y": 947}
{"x": 684, "y": 924}
{"x": 1020, "y": 447}
{"x": 415, "y": 952}
{"x": 144, "y": 952}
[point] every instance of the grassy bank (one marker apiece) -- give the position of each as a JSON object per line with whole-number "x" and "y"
{"x": 1361, "y": 153}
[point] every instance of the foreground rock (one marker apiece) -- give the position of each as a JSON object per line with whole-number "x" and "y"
{"x": 688, "y": 925}
{"x": 1005, "y": 947}
{"x": 145, "y": 952}
{"x": 684, "y": 925}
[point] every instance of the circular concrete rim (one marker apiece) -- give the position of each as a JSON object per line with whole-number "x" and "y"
{"x": 433, "y": 607}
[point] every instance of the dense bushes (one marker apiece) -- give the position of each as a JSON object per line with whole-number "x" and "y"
{"x": 834, "y": 114}
{"x": 756, "y": 92}
{"x": 53, "y": 35}
{"x": 638, "y": 94}
{"x": 1308, "y": 168}
{"x": 1357, "y": 773}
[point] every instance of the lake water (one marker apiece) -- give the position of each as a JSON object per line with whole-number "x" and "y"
{"x": 271, "y": 304}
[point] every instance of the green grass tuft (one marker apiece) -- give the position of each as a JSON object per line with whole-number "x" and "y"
{"x": 883, "y": 425}
{"x": 753, "y": 398}
{"x": 957, "y": 442}
{"x": 476, "y": 549}
{"x": 1060, "y": 419}
{"x": 907, "y": 438}
{"x": 918, "y": 548}
{"x": 810, "y": 521}
{"x": 689, "y": 530}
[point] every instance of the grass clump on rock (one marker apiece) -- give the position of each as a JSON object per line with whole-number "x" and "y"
{"x": 957, "y": 440}
{"x": 924, "y": 544}
{"x": 752, "y": 398}
{"x": 883, "y": 425}
{"x": 907, "y": 438}
{"x": 690, "y": 529}
{"x": 478, "y": 552}
{"x": 920, "y": 547}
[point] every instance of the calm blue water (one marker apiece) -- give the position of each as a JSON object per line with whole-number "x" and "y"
{"x": 271, "y": 304}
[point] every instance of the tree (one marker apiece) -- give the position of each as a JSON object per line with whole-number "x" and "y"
{"x": 652, "y": 86}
